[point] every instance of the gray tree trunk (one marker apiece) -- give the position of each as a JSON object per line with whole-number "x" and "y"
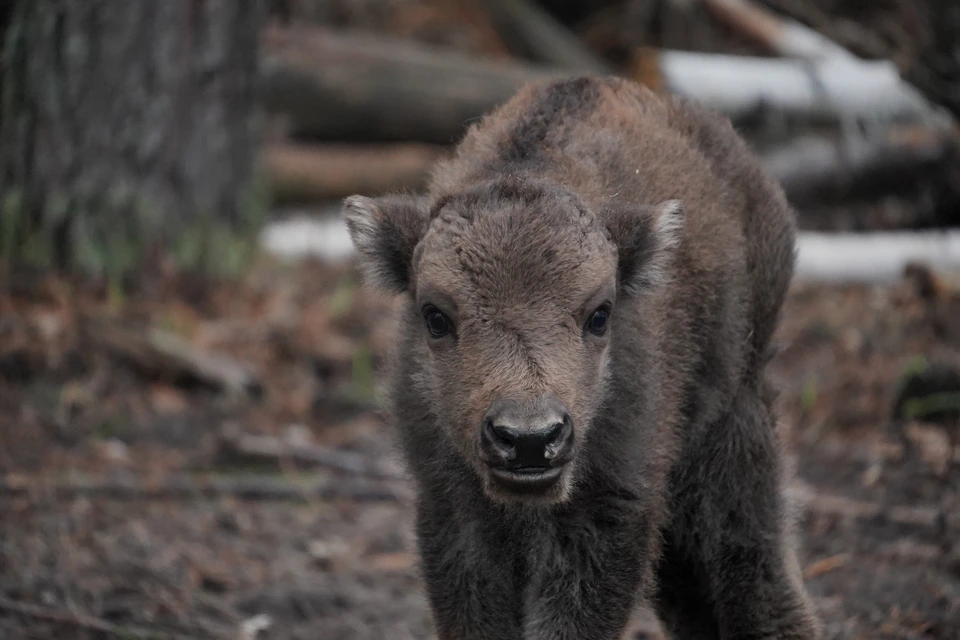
{"x": 128, "y": 133}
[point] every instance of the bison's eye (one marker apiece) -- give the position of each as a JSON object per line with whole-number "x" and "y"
{"x": 597, "y": 324}
{"x": 437, "y": 323}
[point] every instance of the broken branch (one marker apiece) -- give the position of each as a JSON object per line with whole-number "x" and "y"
{"x": 534, "y": 33}
{"x": 165, "y": 354}
{"x": 274, "y": 449}
{"x": 781, "y": 35}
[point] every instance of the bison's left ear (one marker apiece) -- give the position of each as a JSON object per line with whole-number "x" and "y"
{"x": 385, "y": 232}
{"x": 646, "y": 242}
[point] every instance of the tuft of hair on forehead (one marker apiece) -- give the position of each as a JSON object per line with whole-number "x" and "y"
{"x": 508, "y": 190}
{"x": 517, "y": 238}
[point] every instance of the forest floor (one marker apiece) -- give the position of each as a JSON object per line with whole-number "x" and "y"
{"x": 128, "y": 509}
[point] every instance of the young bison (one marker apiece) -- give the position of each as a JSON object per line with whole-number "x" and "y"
{"x": 591, "y": 288}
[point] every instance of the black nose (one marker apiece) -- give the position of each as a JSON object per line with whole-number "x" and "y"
{"x": 527, "y": 436}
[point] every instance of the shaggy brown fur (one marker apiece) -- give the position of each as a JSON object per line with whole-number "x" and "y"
{"x": 576, "y": 197}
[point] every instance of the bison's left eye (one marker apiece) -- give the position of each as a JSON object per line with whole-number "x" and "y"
{"x": 437, "y": 323}
{"x": 597, "y": 324}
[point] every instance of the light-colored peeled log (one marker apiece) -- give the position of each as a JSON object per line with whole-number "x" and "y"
{"x": 835, "y": 90}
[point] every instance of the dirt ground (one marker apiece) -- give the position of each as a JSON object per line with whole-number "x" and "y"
{"x": 127, "y": 509}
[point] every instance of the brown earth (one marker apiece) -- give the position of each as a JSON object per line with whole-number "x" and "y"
{"x": 96, "y": 540}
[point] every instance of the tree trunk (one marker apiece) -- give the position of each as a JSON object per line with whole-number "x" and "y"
{"x": 129, "y": 134}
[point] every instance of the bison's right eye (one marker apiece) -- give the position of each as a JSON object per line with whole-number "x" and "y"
{"x": 437, "y": 323}
{"x": 597, "y": 324}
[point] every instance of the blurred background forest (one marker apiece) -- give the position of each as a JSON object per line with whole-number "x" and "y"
{"x": 189, "y": 444}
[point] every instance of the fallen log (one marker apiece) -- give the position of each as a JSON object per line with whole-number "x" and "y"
{"x": 874, "y": 257}
{"x": 830, "y": 91}
{"x": 811, "y": 169}
{"x": 532, "y": 32}
{"x": 300, "y": 174}
{"x": 790, "y": 38}
{"x": 167, "y": 355}
{"x": 301, "y": 235}
{"x": 337, "y": 86}
{"x": 819, "y": 169}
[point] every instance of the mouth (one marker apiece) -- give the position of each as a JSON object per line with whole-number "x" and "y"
{"x": 526, "y": 480}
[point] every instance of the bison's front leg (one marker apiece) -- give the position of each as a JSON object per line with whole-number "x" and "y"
{"x": 471, "y": 568}
{"x": 729, "y": 569}
{"x": 587, "y": 571}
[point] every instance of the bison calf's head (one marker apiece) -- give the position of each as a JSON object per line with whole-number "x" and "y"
{"x": 514, "y": 290}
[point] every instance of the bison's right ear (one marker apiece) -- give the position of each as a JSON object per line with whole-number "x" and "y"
{"x": 646, "y": 241}
{"x": 385, "y": 232}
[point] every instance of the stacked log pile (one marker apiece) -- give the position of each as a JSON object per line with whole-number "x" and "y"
{"x": 368, "y": 112}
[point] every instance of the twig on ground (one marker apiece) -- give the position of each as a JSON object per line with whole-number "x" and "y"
{"x": 826, "y": 565}
{"x": 73, "y": 619}
{"x": 807, "y": 496}
{"x": 184, "y": 487}
{"x": 274, "y": 449}
{"x": 164, "y": 354}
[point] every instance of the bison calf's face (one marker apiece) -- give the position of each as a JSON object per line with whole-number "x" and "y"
{"x": 514, "y": 294}
{"x": 526, "y": 443}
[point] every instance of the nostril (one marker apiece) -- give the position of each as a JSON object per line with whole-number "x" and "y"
{"x": 555, "y": 433}
{"x": 559, "y": 441}
{"x": 499, "y": 439}
{"x": 503, "y": 437}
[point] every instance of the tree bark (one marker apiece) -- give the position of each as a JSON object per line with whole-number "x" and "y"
{"x": 129, "y": 132}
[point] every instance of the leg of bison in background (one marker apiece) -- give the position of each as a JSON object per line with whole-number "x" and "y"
{"x": 729, "y": 569}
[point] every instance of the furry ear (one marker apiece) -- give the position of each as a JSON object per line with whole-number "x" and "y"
{"x": 385, "y": 232}
{"x": 646, "y": 241}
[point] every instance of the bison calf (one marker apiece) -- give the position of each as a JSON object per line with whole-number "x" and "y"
{"x": 591, "y": 287}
